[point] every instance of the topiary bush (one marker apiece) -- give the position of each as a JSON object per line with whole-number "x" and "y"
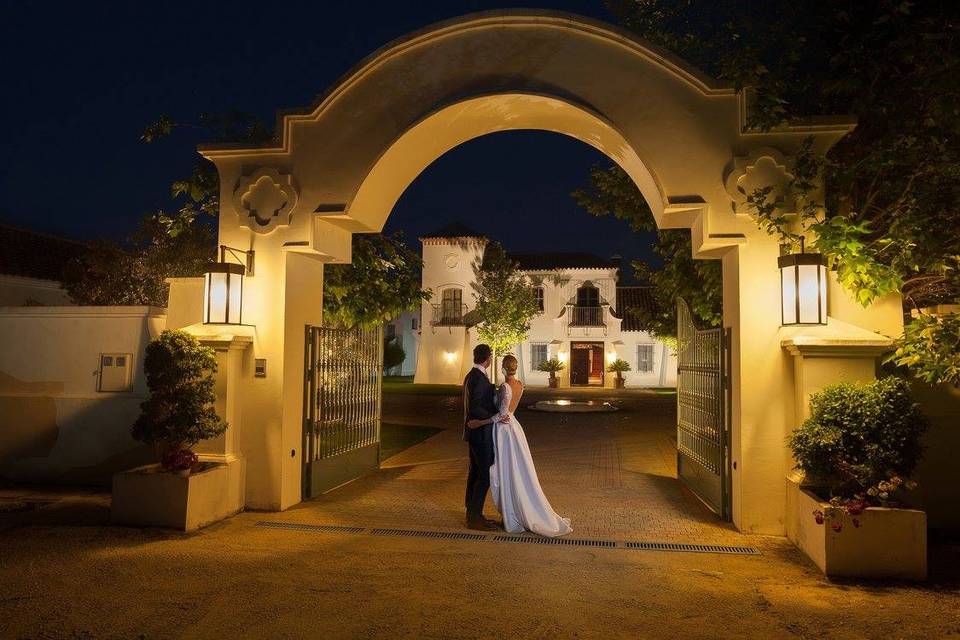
{"x": 393, "y": 353}
{"x": 861, "y": 443}
{"x": 179, "y": 412}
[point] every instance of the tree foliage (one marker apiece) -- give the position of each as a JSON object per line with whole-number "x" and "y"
{"x": 891, "y": 218}
{"x": 506, "y": 301}
{"x": 198, "y": 194}
{"x": 381, "y": 282}
{"x": 133, "y": 273}
{"x": 930, "y": 348}
{"x": 181, "y": 379}
{"x": 612, "y": 192}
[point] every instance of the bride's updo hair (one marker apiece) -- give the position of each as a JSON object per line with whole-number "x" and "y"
{"x": 510, "y": 364}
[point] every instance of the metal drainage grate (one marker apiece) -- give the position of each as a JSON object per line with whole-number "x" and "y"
{"x": 435, "y": 535}
{"x": 321, "y": 528}
{"x": 692, "y": 548}
{"x": 572, "y": 542}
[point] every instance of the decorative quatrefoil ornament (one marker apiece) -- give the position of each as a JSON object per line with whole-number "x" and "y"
{"x": 265, "y": 200}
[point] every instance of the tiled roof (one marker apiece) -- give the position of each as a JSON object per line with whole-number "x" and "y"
{"x": 560, "y": 260}
{"x": 455, "y": 230}
{"x": 633, "y": 298}
{"x": 32, "y": 254}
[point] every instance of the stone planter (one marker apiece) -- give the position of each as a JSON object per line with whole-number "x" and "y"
{"x": 890, "y": 543}
{"x": 554, "y": 382}
{"x": 151, "y": 497}
{"x": 619, "y": 383}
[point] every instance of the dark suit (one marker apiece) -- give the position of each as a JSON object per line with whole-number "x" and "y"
{"x": 479, "y": 401}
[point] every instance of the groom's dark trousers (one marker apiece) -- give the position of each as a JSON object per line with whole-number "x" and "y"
{"x": 479, "y": 401}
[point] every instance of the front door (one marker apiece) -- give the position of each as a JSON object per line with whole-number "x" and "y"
{"x": 586, "y": 363}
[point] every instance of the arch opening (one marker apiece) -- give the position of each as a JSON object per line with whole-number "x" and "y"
{"x": 458, "y": 123}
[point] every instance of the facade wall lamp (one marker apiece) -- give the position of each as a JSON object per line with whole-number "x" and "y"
{"x": 803, "y": 288}
{"x": 223, "y": 287}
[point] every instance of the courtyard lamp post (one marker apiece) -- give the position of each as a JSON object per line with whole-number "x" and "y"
{"x": 803, "y": 288}
{"x": 223, "y": 288}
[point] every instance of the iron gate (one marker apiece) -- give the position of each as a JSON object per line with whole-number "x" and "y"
{"x": 703, "y": 411}
{"x": 342, "y": 402}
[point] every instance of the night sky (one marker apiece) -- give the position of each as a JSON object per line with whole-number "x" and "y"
{"x": 82, "y": 80}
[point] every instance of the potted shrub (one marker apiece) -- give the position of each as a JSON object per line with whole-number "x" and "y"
{"x": 552, "y": 366}
{"x": 618, "y": 367}
{"x": 179, "y": 412}
{"x": 857, "y": 451}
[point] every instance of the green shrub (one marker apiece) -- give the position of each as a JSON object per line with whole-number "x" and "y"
{"x": 393, "y": 353}
{"x": 551, "y": 366}
{"x": 180, "y": 376}
{"x": 862, "y": 441}
{"x": 618, "y": 366}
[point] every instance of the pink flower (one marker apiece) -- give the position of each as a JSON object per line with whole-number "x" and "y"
{"x": 836, "y": 526}
{"x": 180, "y": 460}
{"x": 856, "y": 507}
{"x": 818, "y": 516}
{"x": 856, "y": 523}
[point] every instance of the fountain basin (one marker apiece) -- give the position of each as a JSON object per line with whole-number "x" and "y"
{"x": 573, "y": 406}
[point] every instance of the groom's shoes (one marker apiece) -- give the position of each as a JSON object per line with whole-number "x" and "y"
{"x": 497, "y": 524}
{"x": 480, "y": 524}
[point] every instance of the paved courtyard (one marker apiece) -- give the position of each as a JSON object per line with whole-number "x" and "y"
{"x": 612, "y": 474}
{"x": 65, "y": 572}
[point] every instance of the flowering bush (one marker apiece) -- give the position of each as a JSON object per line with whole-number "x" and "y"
{"x": 860, "y": 445}
{"x": 179, "y": 460}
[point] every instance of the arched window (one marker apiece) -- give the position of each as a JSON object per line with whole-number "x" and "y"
{"x": 451, "y": 306}
{"x": 587, "y": 312}
{"x": 538, "y": 295}
{"x": 588, "y": 296}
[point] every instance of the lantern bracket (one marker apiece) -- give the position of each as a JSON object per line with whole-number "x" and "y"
{"x": 246, "y": 260}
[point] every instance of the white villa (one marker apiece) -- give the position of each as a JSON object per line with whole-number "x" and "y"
{"x": 584, "y": 319}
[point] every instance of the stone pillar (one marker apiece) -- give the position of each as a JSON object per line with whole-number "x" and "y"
{"x": 230, "y": 352}
{"x": 823, "y": 356}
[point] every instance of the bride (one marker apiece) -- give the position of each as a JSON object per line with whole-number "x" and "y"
{"x": 513, "y": 478}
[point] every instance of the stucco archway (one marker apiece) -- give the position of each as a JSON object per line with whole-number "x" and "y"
{"x": 337, "y": 169}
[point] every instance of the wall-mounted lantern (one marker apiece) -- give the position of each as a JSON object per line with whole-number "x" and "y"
{"x": 223, "y": 288}
{"x": 803, "y": 288}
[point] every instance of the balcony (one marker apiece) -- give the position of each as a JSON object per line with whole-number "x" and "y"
{"x": 586, "y": 316}
{"x": 449, "y": 315}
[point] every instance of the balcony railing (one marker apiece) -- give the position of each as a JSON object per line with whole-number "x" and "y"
{"x": 586, "y": 316}
{"x": 449, "y": 314}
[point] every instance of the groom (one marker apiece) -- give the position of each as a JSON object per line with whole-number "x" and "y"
{"x": 479, "y": 413}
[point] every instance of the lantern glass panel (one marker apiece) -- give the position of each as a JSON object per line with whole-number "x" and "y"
{"x": 206, "y": 298}
{"x": 809, "y": 292}
{"x": 823, "y": 294}
{"x": 788, "y": 285}
{"x": 216, "y": 297}
{"x": 234, "y": 297}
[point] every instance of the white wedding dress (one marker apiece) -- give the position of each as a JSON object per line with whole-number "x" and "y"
{"x": 513, "y": 480}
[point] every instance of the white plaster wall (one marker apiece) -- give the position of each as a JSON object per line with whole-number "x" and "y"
{"x": 410, "y": 341}
{"x": 54, "y": 424}
{"x": 16, "y": 291}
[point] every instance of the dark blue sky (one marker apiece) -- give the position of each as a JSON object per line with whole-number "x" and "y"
{"x": 82, "y": 79}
